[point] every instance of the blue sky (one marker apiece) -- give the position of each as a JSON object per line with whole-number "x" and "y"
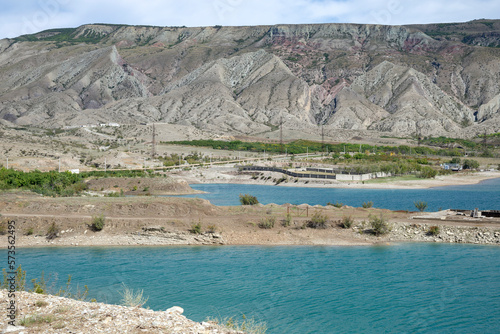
{"x": 30, "y": 16}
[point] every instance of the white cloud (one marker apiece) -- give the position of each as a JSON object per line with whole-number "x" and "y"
{"x": 31, "y": 16}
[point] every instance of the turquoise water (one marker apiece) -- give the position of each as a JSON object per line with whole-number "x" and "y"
{"x": 485, "y": 196}
{"x": 402, "y": 288}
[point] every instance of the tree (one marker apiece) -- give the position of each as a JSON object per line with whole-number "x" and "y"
{"x": 470, "y": 164}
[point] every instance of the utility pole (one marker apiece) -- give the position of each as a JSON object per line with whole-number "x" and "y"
{"x": 281, "y": 134}
{"x": 322, "y": 137}
{"x": 7, "y": 162}
{"x": 105, "y": 165}
{"x": 153, "y": 143}
{"x": 59, "y": 164}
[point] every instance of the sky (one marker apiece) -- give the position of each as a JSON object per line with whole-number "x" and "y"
{"x": 31, "y": 16}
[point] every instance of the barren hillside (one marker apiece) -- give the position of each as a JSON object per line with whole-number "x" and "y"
{"x": 247, "y": 80}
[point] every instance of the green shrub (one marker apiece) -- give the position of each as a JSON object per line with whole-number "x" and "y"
{"x": 267, "y": 223}
{"x": 98, "y": 223}
{"x": 337, "y": 204}
{"x": 346, "y": 222}
{"x": 248, "y": 199}
{"x": 367, "y": 205}
{"x": 379, "y": 225}
{"x": 196, "y": 229}
{"x": 420, "y": 205}
{"x": 433, "y": 230}
{"x": 211, "y": 229}
{"x": 470, "y": 164}
{"x": 30, "y": 231}
{"x": 317, "y": 221}
{"x": 114, "y": 194}
{"x": 20, "y": 279}
{"x": 287, "y": 221}
{"x": 427, "y": 173}
{"x": 3, "y": 228}
{"x": 52, "y": 231}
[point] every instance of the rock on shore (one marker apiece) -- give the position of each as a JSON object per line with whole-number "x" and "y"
{"x": 52, "y": 314}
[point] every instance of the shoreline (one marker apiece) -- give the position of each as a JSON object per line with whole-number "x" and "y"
{"x": 229, "y": 175}
{"x": 412, "y": 229}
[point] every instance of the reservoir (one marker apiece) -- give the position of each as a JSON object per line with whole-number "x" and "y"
{"x": 398, "y": 288}
{"x": 485, "y": 196}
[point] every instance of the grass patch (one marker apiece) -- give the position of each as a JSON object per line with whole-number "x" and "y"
{"x": 249, "y": 326}
{"x": 267, "y": 223}
{"x": 32, "y": 320}
{"x": 41, "y": 303}
{"x": 132, "y": 298}
{"x": 367, "y": 205}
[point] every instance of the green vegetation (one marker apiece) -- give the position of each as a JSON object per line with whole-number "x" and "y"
{"x": 287, "y": 221}
{"x": 3, "y": 228}
{"x": 367, "y": 205}
{"x": 97, "y": 223}
{"x": 132, "y": 298}
{"x": 427, "y": 172}
{"x": 433, "y": 230}
{"x": 470, "y": 164}
{"x": 346, "y": 222}
{"x": 336, "y": 204}
{"x": 57, "y": 184}
{"x": 196, "y": 228}
{"x": 41, "y": 303}
{"x": 379, "y": 225}
{"x": 52, "y": 231}
{"x": 44, "y": 286}
{"x": 267, "y": 223}
{"x": 248, "y": 199}
{"x": 302, "y": 146}
{"x": 317, "y": 221}
{"x": 20, "y": 279}
{"x": 420, "y": 205}
{"x": 249, "y": 326}
{"x": 211, "y": 229}
{"x": 31, "y": 320}
{"x": 67, "y": 35}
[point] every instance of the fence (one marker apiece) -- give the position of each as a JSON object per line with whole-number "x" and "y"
{"x": 340, "y": 175}
{"x": 284, "y": 171}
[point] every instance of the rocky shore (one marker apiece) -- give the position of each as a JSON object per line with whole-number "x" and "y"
{"x": 39, "y": 313}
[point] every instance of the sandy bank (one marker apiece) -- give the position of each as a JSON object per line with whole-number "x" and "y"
{"x": 232, "y": 175}
{"x": 139, "y": 221}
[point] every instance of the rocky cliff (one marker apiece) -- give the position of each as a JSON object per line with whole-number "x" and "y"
{"x": 248, "y": 80}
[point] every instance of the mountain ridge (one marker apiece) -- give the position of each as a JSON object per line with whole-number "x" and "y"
{"x": 247, "y": 80}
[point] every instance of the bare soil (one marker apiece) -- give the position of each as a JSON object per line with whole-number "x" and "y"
{"x": 130, "y": 220}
